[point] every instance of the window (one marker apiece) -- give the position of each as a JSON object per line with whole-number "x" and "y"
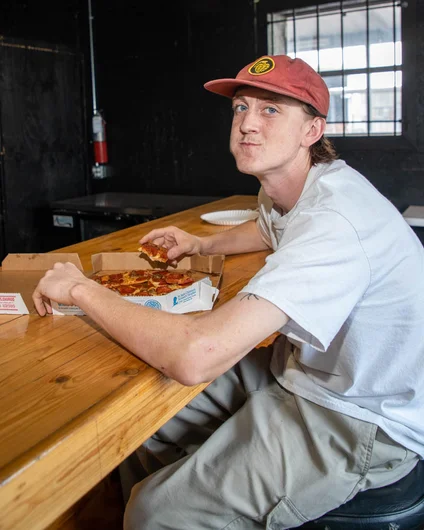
{"x": 358, "y": 48}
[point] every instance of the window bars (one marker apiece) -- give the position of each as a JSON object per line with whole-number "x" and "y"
{"x": 356, "y": 46}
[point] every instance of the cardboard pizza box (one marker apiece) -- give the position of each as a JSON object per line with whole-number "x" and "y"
{"x": 20, "y": 274}
{"x": 200, "y": 296}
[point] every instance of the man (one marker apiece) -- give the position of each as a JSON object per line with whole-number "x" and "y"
{"x": 283, "y": 434}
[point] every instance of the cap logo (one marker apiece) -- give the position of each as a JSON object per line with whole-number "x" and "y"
{"x": 262, "y": 66}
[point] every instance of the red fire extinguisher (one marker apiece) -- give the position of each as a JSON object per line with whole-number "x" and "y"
{"x": 99, "y": 139}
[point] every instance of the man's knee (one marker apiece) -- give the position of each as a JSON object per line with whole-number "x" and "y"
{"x": 142, "y": 505}
{"x": 154, "y": 500}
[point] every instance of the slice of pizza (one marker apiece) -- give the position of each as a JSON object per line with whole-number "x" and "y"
{"x": 154, "y": 252}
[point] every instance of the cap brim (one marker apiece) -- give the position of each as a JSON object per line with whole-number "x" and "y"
{"x": 224, "y": 87}
{"x": 228, "y": 87}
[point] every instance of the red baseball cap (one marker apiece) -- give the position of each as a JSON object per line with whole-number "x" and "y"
{"x": 280, "y": 74}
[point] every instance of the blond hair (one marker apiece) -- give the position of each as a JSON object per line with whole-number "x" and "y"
{"x": 323, "y": 151}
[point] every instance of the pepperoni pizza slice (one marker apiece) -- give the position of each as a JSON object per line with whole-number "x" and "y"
{"x": 154, "y": 252}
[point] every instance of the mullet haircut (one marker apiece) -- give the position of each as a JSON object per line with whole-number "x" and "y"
{"x": 323, "y": 151}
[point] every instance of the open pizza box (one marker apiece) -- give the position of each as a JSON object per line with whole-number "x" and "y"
{"x": 21, "y": 273}
{"x": 199, "y": 296}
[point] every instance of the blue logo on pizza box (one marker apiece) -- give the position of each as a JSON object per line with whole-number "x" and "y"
{"x": 154, "y": 304}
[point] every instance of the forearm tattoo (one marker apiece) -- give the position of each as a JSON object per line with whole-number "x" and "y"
{"x": 248, "y": 295}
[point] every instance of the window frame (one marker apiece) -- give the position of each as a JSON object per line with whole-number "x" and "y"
{"x": 408, "y": 139}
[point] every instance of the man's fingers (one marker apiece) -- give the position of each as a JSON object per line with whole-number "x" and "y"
{"x": 40, "y": 303}
{"x": 166, "y": 237}
{"x": 154, "y": 234}
{"x": 174, "y": 253}
{"x": 47, "y": 305}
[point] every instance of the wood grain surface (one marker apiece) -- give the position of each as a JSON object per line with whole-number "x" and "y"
{"x": 73, "y": 402}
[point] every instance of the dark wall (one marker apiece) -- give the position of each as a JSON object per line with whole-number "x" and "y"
{"x": 61, "y": 23}
{"x": 43, "y": 141}
{"x": 165, "y": 132}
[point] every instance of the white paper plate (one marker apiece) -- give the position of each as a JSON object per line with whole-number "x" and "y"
{"x": 230, "y": 217}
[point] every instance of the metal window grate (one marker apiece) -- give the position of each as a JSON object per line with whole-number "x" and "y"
{"x": 356, "y": 46}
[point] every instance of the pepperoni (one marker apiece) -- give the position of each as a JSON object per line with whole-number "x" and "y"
{"x": 186, "y": 282}
{"x": 116, "y": 278}
{"x": 149, "y": 247}
{"x": 155, "y": 252}
{"x": 179, "y": 278}
{"x": 142, "y": 292}
{"x": 163, "y": 289}
{"x": 159, "y": 282}
{"x": 125, "y": 289}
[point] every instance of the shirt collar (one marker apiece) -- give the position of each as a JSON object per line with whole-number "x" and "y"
{"x": 279, "y": 217}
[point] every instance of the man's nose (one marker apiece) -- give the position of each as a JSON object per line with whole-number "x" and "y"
{"x": 249, "y": 122}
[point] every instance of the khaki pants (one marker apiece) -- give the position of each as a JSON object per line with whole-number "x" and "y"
{"x": 246, "y": 454}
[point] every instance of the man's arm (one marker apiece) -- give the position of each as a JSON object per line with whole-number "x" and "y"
{"x": 237, "y": 240}
{"x": 188, "y": 348}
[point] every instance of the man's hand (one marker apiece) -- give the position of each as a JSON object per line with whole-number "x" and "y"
{"x": 57, "y": 284}
{"x": 175, "y": 240}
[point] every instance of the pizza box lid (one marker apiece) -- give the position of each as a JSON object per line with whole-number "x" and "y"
{"x": 20, "y": 274}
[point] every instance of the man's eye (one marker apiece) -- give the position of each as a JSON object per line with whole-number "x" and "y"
{"x": 270, "y": 110}
{"x": 239, "y": 108}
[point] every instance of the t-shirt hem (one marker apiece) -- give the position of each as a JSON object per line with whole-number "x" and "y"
{"x": 350, "y": 409}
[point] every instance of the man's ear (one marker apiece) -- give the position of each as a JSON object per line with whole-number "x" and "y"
{"x": 314, "y": 130}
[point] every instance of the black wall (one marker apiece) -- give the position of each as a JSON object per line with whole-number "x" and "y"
{"x": 61, "y": 23}
{"x": 165, "y": 132}
{"x": 42, "y": 143}
{"x": 43, "y": 155}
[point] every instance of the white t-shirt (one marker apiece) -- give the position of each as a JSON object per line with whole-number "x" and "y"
{"x": 349, "y": 272}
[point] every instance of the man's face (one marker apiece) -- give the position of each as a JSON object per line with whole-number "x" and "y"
{"x": 267, "y": 132}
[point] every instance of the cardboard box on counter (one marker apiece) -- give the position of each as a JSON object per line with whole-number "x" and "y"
{"x": 200, "y": 296}
{"x": 21, "y": 273}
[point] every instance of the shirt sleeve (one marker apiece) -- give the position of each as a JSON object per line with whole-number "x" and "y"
{"x": 316, "y": 276}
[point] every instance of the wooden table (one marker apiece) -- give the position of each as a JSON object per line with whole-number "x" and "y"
{"x": 74, "y": 403}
